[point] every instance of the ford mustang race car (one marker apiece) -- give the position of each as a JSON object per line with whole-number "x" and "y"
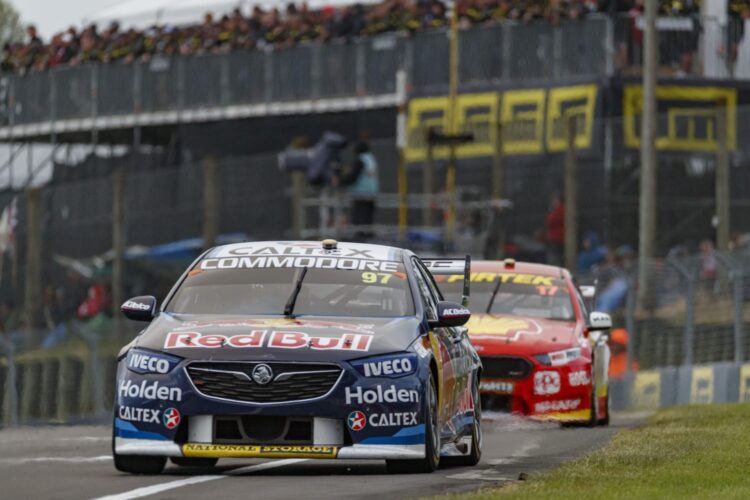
{"x": 299, "y": 349}
{"x": 543, "y": 354}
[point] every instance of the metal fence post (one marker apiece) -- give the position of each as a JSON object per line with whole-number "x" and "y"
{"x": 315, "y": 71}
{"x": 179, "y": 63}
{"x": 211, "y": 201}
{"x": 118, "y": 245}
{"x": 689, "y": 318}
{"x": 268, "y": 75}
{"x": 94, "y": 93}
{"x": 609, "y": 45}
{"x": 735, "y": 275}
{"x": 10, "y": 403}
{"x": 557, "y": 51}
{"x": 52, "y": 96}
{"x": 506, "y": 48}
{"x": 97, "y": 379}
{"x": 690, "y": 275}
{"x": 359, "y": 68}
{"x": 571, "y": 193}
{"x": 409, "y": 61}
{"x": 137, "y": 85}
{"x": 630, "y": 303}
{"x": 33, "y": 275}
{"x": 739, "y": 338}
{"x": 225, "y": 91}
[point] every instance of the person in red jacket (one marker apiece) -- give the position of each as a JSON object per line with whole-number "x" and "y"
{"x": 554, "y": 229}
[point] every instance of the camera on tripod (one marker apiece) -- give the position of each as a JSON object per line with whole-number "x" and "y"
{"x": 320, "y": 162}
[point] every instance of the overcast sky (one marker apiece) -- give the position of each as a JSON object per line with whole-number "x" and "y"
{"x": 51, "y": 16}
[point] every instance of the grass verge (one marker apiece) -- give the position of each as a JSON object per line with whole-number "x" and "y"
{"x": 685, "y": 452}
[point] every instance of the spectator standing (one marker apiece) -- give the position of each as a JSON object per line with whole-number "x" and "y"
{"x": 363, "y": 185}
{"x": 12, "y": 323}
{"x": 554, "y": 229}
{"x": 52, "y": 315}
{"x": 593, "y": 253}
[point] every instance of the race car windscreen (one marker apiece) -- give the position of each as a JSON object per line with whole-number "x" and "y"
{"x": 519, "y": 294}
{"x": 323, "y": 292}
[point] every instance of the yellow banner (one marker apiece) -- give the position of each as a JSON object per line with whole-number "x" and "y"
{"x": 745, "y": 384}
{"x": 690, "y": 114}
{"x": 702, "y": 385}
{"x": 200, "y": 450}
{"x": 646, "y": 392}
{"x": 533, "y": 121}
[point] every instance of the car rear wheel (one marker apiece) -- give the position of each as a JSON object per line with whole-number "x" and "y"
{"x": 194, "y": 462}
{"x": 594, "y": 419}
{"x": 475, "y": 453}
{"x": 603, "y": 421}
{"x": 432, "y": 439}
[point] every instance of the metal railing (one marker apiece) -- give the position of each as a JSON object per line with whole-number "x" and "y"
{"x": 491, "y": 55}
{"x": 507, "y": 52}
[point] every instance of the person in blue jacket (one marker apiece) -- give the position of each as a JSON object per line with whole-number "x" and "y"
{"x": 593, "y": 253}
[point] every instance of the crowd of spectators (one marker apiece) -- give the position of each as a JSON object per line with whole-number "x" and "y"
{"x": 297, "y": 23}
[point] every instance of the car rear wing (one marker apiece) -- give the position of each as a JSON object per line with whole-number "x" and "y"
{"x": 452, "y": 265}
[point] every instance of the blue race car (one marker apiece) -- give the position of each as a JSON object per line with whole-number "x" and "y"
{"x": 299, "y": 349}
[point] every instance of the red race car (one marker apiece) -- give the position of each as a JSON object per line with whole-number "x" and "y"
{"x": 543, "y": 353}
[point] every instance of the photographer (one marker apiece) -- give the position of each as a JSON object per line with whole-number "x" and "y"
{"x": 361, "y": 182}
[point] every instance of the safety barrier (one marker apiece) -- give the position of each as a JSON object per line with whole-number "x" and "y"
{"x": 682, "y": 385}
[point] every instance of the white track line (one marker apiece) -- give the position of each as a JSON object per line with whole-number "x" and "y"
{"x": 72, "y": 460}
{"x": 158, "y": 488}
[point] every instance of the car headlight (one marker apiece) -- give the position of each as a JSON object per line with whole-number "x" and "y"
{"x": 149, "y": 362}
{"x": 391, "y": 366}
{"x": 421, "y": 346}
{"x": 558, "y": 358}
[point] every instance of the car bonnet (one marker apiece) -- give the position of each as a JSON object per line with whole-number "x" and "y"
{"x": 304, "y": 338}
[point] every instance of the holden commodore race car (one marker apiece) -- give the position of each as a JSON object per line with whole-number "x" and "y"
{"x": 543, "y": 354}
{"x": 299, "y": 349}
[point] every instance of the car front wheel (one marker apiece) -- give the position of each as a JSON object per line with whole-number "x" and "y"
{"x": 432, "y": 439}
{"x": 475, "y": 452}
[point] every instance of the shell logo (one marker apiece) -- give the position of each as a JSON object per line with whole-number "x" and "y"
{"x": 483, "y": 325}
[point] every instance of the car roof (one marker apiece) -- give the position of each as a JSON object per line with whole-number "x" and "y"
{"x": 308, "y": 248}
{"x": 518, "y": 267}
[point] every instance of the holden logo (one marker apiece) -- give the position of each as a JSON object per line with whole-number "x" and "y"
{"x": 262, "y": 374}
{"x": 171, "y": 418}
{"x": 356, "y": 420}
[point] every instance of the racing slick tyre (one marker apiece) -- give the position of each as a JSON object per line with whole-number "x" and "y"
{"x": 594, "y": 419}
{"x": 432, "y": 439}
{"x": 475, "y": 453}
{"x": 139, "y": 464}
{"x": 193, "y": 462}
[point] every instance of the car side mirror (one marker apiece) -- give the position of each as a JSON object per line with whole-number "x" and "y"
{"x": 599, "y": 321}
{"x": 588, "y": 292}
{"x": 141, "y": 308}
{"x": 450, "y": 314}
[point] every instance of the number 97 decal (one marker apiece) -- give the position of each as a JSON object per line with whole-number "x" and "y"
{"x": 371, "y": 278}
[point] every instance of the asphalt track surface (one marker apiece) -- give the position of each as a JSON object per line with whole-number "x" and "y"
{"x": 74, "y": 462}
